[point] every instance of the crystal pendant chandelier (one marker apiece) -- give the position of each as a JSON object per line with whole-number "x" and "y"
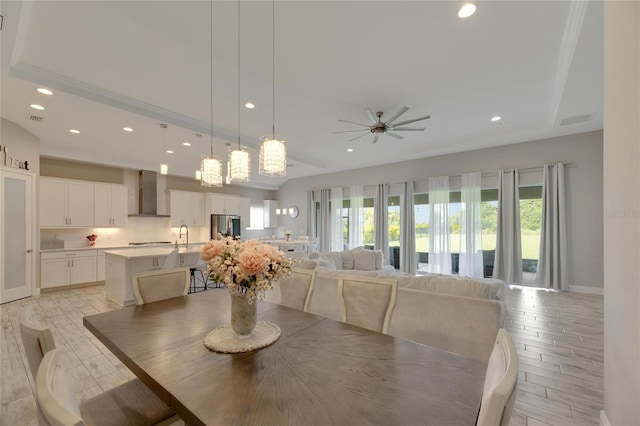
{"x": 211, "y": 166}
{"x": 273, "y": 151}
{"x": 239, "y": 161}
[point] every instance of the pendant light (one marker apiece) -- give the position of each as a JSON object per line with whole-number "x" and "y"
{"x": 211, "y": 166}
{"x": 239, "y": 164}
{"x": 164, "y": 167}
{"x": 273, "y": 151}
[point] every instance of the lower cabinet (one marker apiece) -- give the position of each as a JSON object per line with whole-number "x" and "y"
{"x": 66, "y": 268}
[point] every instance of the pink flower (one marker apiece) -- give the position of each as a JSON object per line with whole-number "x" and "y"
{"x": 212, "y": 249}
{"x": 253, "y": 260}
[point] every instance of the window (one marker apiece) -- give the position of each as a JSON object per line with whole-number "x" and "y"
{"x": 256, "y": 217}
{"x": 530, "y": 224}
{"x": 368, "y": 237}
{"x": 421, "y": 215}
{"x": 393, "y": 223}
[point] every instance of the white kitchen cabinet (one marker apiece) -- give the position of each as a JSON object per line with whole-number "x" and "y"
{"x": 245, "y": 211}
{"x": 65, "y": 203}
{"x": 186, "y": 208}
{"x": 68, "y": 267}
{"x": 110, "y": 205}
{"x": 223, "y": 204}
{"x": 100, "y": 270}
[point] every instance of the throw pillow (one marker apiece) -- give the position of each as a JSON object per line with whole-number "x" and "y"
{"x": 347, "y": 259}
{"x": 364, "y": 260}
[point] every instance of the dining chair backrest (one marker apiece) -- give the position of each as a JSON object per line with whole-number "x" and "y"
{"x": 295, "y": 291}
{"x": 500, "y": 384}
{"x": 160, "y": 284}
{"x": 36, "y": 338}
{"x": 367, "y": 302}
{"x": 171, "y": 261}
{"x": 55, "y": 396}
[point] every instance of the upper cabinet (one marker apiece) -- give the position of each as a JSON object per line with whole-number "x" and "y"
{"x": 244, "y": 209}
{"x": 270, "y": 216}
{"x": 223, "y": 204}
{"x": 187, "y": 208}
{"x": 110, "y": 205}
{"x": 65, "y": 203}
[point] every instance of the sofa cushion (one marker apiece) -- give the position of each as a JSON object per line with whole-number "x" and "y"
{"x": 347, "y": 259}
{"x": 448, "y": 284}
{"x": 309, "y": 264}
{"x": 364, "y": 260}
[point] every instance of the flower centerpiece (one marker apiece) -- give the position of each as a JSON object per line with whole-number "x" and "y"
{"x": 247, "y": 269}
{"x": 92, "y": 239}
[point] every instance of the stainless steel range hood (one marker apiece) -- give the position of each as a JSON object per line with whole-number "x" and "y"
{"x": 148, "y": 195}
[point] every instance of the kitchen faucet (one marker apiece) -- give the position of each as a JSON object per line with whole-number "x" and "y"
{"x": 187, "y": 234}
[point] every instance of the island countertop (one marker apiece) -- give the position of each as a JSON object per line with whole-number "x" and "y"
{"x": 152, "y": 251}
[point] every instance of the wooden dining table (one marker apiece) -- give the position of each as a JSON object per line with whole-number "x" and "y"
{"x": 319, "y": 372}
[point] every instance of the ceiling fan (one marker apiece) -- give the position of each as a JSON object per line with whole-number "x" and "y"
{"x": 385, "y": 127}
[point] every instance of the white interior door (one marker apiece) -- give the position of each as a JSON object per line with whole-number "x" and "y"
{"x": 16, "y": 231}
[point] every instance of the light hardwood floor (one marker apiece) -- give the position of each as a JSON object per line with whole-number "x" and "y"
{"x": 559, "y": 337}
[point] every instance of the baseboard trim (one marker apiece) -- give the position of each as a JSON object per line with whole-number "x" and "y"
{"x": 588, "y": 290}
{"x": 604, "y": 421}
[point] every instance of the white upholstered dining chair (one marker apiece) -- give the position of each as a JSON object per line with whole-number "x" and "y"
{"x": 131, "y": 403}
{"x": 36, "y": 338}
{"x": 295, "y": 291}
{"x": 367, "y": 302}
{"x": 171, "y": 261}
{"x": 500, "y": 384}
{"x": 160, "y": 284}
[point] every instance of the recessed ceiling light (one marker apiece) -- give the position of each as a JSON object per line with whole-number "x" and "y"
{"x": 44, "y": 91}
{"x": 74, "y": 131}
{"x": 467, "y": 10}
{"x": 36, "y": 106}
{"x": 127, "y": 129}
{"x": 349, "y": 149}
{"x": 186, "y": 144}
{"x": 496, "y": 118}
{"x": 249, "y": 105}
{"x": 169, "y": 151}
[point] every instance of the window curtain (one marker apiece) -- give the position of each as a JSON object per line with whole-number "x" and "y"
{"x": 439, "y": 246}
{"x": 407, "y": 231}
{"x": 471, "y": 227}
{"x": 337, "y": 242}
{"x": 311, "y": 216}
{"x": 552, "y": 261}
{"x": 381, "y": 221}
{"x": 324, "y": 222}
{"x": 356, "y": 216}
{"x": 508, "y": 258}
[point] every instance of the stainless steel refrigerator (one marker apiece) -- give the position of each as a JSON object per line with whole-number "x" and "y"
{"x": 226, "y": 225}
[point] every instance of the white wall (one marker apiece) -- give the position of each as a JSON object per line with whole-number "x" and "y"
{"x": 584, "y": 189}
{"x": 622, "y": 213}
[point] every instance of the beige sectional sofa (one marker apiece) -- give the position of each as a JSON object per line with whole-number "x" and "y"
{"x": 358, "y": 258}
{"x": 459, "y": 315}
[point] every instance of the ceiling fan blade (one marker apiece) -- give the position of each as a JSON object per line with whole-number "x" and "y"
{"x": 352, "y": 122}
{"x": 358, "y": 137}
{"x": 347, "y": 131}
{"x": 398, "y": 114}
{"x": 393, "y": 135}
{"x": 404, "y": 129}
{"x": 375, "y": 139}
{"x": 371, "y": 116}
{"x": 402, "y": 123}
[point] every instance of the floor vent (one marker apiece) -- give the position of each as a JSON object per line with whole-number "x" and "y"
{"x": 35, "y": 118}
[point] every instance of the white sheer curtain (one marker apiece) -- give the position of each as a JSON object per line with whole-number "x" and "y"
{"x": 508, "y": 259}
{"x": 407, "y": 231}
{"x": 356, "y": 216}
{"x": 324, "y": 222}
{"x": 471, "y": 227}
{"x": 337, "y": 242}
{"x": 439, "y": 245}
{"x": 552, "y": 261}
{"x": 381, "y": 226}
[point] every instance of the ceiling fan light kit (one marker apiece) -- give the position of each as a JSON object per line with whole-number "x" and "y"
{"x": 385, "y": 127}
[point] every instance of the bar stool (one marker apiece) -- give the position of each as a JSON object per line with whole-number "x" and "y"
{"x": 198, "y": 268}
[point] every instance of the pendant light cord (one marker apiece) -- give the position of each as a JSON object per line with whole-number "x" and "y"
{"x": 211, "y": 74}
{"x": 273, "y": 65}
{"x": 239, "y": 75}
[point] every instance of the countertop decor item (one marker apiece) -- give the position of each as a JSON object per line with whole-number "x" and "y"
{"x": 92, "y": 239}
{"x": 247, "y": 269}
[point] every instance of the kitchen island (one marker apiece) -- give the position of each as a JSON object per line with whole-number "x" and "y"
{"x": 122, "y": 264}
